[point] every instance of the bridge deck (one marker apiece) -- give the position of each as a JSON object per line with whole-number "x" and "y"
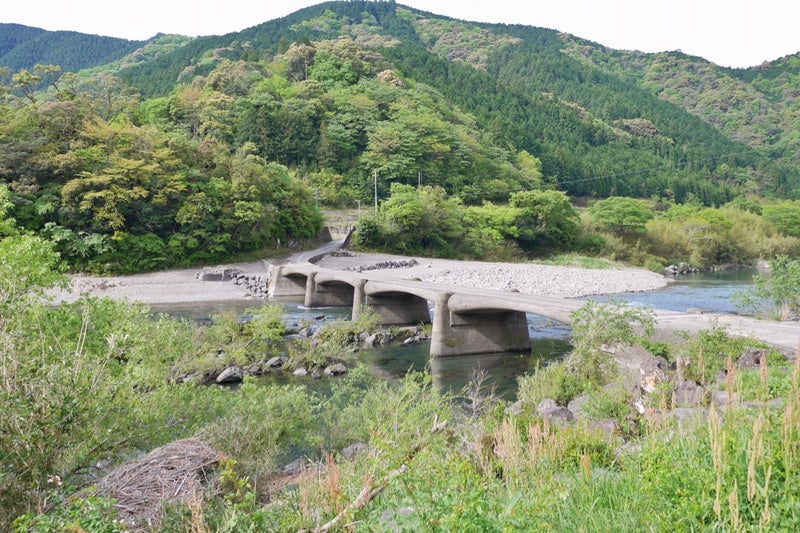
{"x": 784, "y": 336}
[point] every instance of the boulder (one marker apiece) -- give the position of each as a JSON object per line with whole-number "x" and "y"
{"x": 335, "y": 370}
{"x": 219, "y": 274}
{"x": 688, "y": 394}
{"x": 561, "y": 416}
{"x": 547, "y": 403}
{"x": 355, "y": 450}
{"x": 607, "y": 427}
{"x": 751, "y": 359}
{"x": 275, "y": 362}
{"x": 295, "y": 467}
{"x": 232, "y": 374}
{"x": 300, "y": 372}
{"x": 576, "y": 405}
{"x": 253, "y": 370}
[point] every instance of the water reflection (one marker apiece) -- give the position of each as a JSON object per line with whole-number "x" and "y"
{"x": 452, "y": 374}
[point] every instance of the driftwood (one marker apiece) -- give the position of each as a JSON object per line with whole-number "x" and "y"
{"x": 173, "y": 473}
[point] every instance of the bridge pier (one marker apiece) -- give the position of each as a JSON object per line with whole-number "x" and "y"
{"x": 478, "y": 332}
{"x": 359, "y": 298}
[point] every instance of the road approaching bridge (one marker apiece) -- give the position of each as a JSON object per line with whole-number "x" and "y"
{"x": 471, "y": 321}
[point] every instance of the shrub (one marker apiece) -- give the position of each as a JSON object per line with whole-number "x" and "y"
{"x": 775, "y": 295}
{"x": 595, "y": 325}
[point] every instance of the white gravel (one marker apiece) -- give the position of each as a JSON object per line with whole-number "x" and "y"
{"x": 179, "y": 286}
{"x": 527, "y": 278}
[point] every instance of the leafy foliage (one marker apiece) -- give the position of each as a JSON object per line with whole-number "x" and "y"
{"x": 621, "y": 215}
{"x": 127, "y": 169}
{"x": 776, "y": 294}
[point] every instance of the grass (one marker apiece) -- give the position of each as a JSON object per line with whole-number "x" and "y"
{"x": 582, "y": 261}
{"x": 436, "y": 464}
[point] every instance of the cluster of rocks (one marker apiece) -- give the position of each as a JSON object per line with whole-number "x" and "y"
{"x": 232, "y": 374}
{"x": 385, "y": 265}
{"x": 256, "y": 284}
{"x": 643, "y": 375}
{"x": 681, "y": 269}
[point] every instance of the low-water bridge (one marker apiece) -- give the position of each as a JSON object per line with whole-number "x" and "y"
{"x": 471, "y": 321}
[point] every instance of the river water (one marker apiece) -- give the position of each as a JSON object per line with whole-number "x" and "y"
{"x": 549, "y": 340}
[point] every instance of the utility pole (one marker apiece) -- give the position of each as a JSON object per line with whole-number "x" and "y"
{"x": 375, "y": 180}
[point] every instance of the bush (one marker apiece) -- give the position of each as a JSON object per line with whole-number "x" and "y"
{"x": 775, "y": 295}
{"x": 595, "y": 325}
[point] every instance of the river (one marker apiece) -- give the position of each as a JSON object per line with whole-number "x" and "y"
{"x": 549, "y": 340}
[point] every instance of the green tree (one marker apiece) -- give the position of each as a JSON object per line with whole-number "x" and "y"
{"x": 547, "y": 219}
{"x": 621, "y": 215}
{"x": 776, "y": 294}
{"x": 785, "y": 216}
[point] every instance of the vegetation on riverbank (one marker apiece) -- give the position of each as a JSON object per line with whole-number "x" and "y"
{"x": 86, "y": 386}
{"x": 652, "y": 234}
{"x": 192, "y": 151}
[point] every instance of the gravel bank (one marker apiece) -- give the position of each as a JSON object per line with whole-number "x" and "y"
{"x": 184, "y": 286}
{"x": 527, "y": 278}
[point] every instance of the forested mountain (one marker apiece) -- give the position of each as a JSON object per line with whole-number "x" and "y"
{"x": 22, "y": 47}
{"x": 177, "y": 149}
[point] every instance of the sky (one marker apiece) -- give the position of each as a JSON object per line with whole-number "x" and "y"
{"x": 731, "y": 33}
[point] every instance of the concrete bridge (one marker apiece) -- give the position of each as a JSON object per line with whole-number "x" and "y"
{"x": 471, "y": 321}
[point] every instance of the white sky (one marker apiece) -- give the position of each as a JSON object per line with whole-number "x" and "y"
{"x": 738, "y": 33}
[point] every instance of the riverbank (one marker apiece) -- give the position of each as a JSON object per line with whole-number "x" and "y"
{"x": 187, "y": 286}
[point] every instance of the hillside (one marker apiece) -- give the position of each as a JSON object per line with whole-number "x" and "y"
{"x": 600, "y": 120}
{"x": 22, "y": 47}
{"x": 185, "y": 150}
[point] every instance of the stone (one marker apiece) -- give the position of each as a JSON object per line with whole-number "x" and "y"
{"x": 295, "y": 467}
{"x": 751, "y": 359}
{"x": 252, "y": 370}
{"x": 373, "y": 340}
{"x": 300, "y": 372}
{"x": 219, "y": 274}
{"x": 355, "y": 450}
{"x": 547, "y": 403}
{"x": 232, "y": 374}
{"x": 561, "y": 416}
{"x": 275, "y": 362}
{"x": 335, "y": 370}
{"x": 721, "y": 399}
{"x": 576, "y": 405}
{"x": 514, "y": 409}
{"x": 688, "y": 394}
{"x": 608, "y": 427}
{"x": 316, "y": 374}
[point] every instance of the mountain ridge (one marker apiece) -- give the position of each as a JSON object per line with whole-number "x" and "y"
{"x": 563, "y": 98}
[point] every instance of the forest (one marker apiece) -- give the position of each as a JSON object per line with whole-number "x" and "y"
{"x": 189, "y": 151}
